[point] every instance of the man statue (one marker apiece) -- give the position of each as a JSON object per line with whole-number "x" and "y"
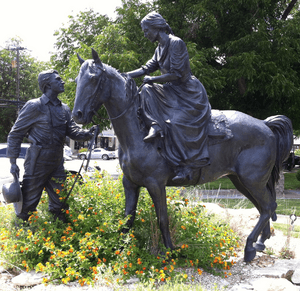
{"x": 46, "y": 122}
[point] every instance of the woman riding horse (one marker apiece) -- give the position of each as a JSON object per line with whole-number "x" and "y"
{"x": 179, "y": 109}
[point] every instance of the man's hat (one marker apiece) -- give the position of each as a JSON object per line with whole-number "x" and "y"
{"x": 12, "y": 194}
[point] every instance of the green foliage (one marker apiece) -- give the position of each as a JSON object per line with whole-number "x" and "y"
{"x": 291, "y": 181}
{"x": 112, "y": 46}
{"x": 92, "y": 242}
{"x": 82, "y": 28}
{"x": 256, "y": 62}
{"x": 129, "y": 17}
{"x": 28, "y": 84}
{"x": 246, "y": 53}
{"x": 285, "y": 228}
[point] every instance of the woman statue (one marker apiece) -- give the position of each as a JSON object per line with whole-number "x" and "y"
{"x": 177, "y": 110}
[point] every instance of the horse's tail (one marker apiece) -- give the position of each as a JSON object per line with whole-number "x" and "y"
{"x": 283, "y": 131}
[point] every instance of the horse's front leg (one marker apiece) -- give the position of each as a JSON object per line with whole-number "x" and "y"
{"x": 132, "y": 192}
{"x": 158, "y": 195}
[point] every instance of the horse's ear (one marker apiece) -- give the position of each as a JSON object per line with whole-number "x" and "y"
{"x": 81, "y": 61}
{"x": 96, "y": 58}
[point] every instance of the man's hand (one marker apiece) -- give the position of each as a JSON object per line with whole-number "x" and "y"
{"x": 14, "y": 167}
{"x": 93, "y": 128}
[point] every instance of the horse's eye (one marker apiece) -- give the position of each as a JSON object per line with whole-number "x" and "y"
{"x": 93, "y": 77}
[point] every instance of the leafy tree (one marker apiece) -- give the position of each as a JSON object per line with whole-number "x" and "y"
{"x": 82, "y": 28}
{"x": 251, "y": 48}
{"x": 114, "y": 49}
{"x": 28, "y": 84}
{"x": 129, "y": 17}
{"x": 246, "y": 53}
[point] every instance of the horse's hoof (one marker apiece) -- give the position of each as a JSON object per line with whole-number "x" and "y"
{"x": 249, "y": 254}
{"x": 259, "y": 246}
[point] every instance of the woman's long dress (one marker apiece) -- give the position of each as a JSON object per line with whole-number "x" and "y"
{"x": 181, "y": 108}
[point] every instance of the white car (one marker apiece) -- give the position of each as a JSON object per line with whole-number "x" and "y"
{"x": 23, "y": 150}
{"x": 98, "y": 153}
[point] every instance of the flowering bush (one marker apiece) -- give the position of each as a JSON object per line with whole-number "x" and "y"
{"x": 92, "y": 242}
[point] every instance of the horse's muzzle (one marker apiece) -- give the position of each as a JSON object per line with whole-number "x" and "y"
{"x": 78, "y": 116}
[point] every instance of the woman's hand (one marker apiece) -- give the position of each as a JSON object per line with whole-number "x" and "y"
{"x": 169, "y": 77}
{"x": 148, "y": 79}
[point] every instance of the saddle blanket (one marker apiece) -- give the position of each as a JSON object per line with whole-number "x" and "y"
{"x": 218, "y": 128}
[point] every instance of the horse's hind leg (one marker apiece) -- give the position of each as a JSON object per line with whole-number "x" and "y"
{"x": 266, "y": 232}
{"x": 261, "y": 197}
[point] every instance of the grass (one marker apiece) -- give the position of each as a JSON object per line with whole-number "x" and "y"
{"x": 290, "y": 183}
{"x": 284, "y": 206}
{"x": 285, "y": 228}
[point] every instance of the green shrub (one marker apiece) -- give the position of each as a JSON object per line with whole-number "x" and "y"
{"x": 92, "y": 242}
{"x": 82, "y": 150}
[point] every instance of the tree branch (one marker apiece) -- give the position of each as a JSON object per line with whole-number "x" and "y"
{"x": 288, "y": 10}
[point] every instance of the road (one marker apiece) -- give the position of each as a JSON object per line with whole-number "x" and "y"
{"x": 110, "y": 166}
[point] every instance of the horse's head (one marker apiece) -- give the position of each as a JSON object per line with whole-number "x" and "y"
{"x": 90, "y": 81}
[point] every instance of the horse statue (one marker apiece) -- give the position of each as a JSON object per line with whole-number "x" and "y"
{"x": 252, "y": 157}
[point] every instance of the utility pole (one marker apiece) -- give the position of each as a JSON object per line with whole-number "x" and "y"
{"x": 18, "y": 49}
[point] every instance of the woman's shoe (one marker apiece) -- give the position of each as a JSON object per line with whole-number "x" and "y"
{"x": 154, "y": 132}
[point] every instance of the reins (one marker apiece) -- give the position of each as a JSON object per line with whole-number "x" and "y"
{"x": 120, "y": 115}
{"x": 90, "y": 148}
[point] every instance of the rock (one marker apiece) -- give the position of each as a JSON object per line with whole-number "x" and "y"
{"x": 28, "y": 279}
{"x": 296, "y": 276}
{"x": 268, "y": 284}
{"x": 133, "y": 280}
{"x": 280, "y": 269}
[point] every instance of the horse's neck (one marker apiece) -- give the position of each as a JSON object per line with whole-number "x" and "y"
{"x": 122, "y": 110}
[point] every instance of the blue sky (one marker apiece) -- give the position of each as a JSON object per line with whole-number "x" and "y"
{"x": 35, "y": 21}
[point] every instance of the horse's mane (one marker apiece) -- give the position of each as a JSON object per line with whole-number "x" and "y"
{"x": 130, "y": 85}
{"x": 111, "y": 70}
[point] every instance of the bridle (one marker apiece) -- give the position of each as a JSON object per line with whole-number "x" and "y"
{"x": 123, "y": 113}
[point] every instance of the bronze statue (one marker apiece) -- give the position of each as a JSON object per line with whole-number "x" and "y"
{"x": 179, "y": 109}
{"x": 247, "y": 150}
{"x": 46, "y": 122}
